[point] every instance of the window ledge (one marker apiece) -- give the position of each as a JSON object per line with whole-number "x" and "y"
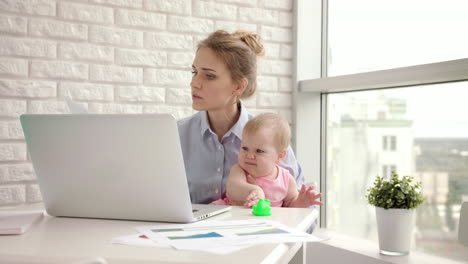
{"x": 339, "y": 248}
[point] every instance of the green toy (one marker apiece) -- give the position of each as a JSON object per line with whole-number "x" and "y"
{"x": 262, "y": 208}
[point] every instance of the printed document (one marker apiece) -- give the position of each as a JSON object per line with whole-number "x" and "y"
{"x": 222, "y": 237}
{"x": 17, "y": 222}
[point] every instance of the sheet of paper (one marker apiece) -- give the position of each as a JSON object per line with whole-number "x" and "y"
{"x": 223, "y": 236}
{"x": 137, "y": 240}
{"x": 17, "y": 222}
{"x": 140, "y": 240}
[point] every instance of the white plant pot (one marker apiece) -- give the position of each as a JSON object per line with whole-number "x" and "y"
{"x": 395, "y": 228}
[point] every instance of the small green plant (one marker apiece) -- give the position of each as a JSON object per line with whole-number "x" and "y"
{"x": 395, "y": 193}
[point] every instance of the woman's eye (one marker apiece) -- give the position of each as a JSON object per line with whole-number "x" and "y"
{"x": 210, "y": 77}
{"x": 260, "y": 151}
{"x": 194, "y": 73}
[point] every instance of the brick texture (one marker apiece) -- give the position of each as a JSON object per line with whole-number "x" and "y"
{"x": 12, "y": 194}
{"x": 29, "y": 7}
{"x": 10, "y": 46}
{"x": 16, "y": 173}
{"x": 13, "y": 24}
{"x": 85, "y": 13}
{"x": 85, "y": 52}
{"x": 33, "y": 194}
{"x": 121, "y": 56}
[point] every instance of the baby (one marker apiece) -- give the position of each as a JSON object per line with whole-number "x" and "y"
{"x": 257, "y": 175}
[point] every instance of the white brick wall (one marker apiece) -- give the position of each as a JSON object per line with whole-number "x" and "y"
{"x": 14, "y": 67}
{"x": 121, "y": 56}
{"x": 85, "y": 13}
{"x": 85, "y": 52}
{"x": 12, "y": 46}
{"x": 13, "y": 24}
{"x": 48, "y": 28}
{"x": 29, "y": 7}
{"x": 59, "y": 70}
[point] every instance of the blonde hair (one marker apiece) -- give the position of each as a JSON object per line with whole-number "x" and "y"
{"x": 239, "y": 51}
{"x": 272, "y": 121}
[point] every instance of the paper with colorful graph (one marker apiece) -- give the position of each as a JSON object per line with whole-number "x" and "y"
{"x": 222, "y": 236}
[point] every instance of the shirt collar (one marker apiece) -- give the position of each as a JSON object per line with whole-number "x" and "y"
{"x": 239, "y": 125}
{"x": 236, "y": 129}
{"x": 205, "y": 126}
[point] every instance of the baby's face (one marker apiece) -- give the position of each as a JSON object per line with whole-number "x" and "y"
{"x": 258, "y": 154}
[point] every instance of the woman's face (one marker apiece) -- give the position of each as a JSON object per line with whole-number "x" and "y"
{"x": 212, "y": 85}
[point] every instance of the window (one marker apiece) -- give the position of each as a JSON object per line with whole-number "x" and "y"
{"x": 389, "y": 142}
{"x": 433, "y": 138}
{"x": 387, "y": 170}
{"x": 412, "y": 120}
{"x": 432, "y": 131}
{"x": 369, "y": 35}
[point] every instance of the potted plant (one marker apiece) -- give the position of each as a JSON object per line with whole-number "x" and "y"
{"x": 395, "y": 201}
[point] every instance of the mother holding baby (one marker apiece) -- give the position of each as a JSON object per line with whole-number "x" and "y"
{"x": 223, "y": 72}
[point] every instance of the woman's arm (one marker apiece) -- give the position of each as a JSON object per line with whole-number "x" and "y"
{"x": 237, "y": 187}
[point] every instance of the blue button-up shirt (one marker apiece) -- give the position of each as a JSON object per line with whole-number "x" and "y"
{"x": 208, "y": 161}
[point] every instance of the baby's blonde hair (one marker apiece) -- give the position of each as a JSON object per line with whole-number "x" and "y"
{"x": 274, "y": 122}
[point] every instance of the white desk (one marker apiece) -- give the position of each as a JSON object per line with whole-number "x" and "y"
{"x": 72, "y": 240}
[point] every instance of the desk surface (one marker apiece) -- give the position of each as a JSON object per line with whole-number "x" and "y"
{"x": 71, "y": 240}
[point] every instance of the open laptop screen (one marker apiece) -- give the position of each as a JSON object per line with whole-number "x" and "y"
{"x": 109, "y": 166}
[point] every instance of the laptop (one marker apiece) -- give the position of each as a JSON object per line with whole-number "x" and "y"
{"x": 113, "y": 166}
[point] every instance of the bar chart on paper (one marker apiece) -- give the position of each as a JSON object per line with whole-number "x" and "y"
{"x": 223, "y": 236}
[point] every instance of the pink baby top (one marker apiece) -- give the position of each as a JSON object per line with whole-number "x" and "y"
{"x": 275, "y": 189}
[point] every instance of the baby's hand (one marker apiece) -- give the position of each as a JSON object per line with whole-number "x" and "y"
{"x": 307, "y": 197}
{"x": 253, "y": 197}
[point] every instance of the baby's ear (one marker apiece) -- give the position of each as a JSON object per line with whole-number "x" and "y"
{"x": 281, "y": 155}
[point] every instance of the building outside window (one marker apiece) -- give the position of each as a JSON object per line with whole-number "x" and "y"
{"x": 389, "y": 143}
{"x": 434, "y": 149}
{"x": 387, "y": 170}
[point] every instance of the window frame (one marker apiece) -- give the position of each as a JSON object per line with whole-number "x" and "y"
{"x": 313, "y": 86}
{"x": 316, "y": 90}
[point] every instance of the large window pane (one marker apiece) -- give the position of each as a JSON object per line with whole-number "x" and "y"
{"x": 420, "y": 131}
{"x": 369, "y": 35}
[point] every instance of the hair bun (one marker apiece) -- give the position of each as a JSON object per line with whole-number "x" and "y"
{"x": 252, "y": 40}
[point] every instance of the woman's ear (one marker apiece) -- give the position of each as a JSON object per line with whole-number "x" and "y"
{"x": 241, "y": 86}
{"x": 281, "y": 155}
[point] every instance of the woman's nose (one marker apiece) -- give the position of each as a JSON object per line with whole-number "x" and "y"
{"x": 195, "y": 83}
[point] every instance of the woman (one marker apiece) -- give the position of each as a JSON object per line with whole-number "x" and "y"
{"x": 224, "y": 71}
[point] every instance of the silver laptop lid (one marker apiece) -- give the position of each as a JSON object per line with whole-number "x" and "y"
{"x": 109, "y": 166}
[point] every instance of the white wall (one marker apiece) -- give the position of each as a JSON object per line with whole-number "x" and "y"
{"x": 120, "y": 56}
